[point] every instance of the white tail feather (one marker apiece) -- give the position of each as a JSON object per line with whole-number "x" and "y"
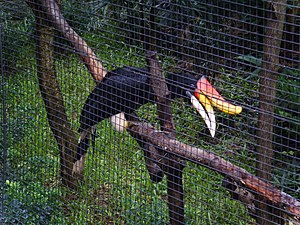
{"x": 119, "y": 122}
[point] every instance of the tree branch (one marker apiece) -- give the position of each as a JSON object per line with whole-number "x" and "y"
{"x": 171, "y": 165}
{"x": 220, "y": 165}
{"x": 86, "y": 53}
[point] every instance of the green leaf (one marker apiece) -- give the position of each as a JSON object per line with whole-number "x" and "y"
{"x": 251, "y": 59}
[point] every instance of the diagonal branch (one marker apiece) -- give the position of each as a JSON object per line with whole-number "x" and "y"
{"x": 220, "y": 165}
{"x": 86, "y": 53}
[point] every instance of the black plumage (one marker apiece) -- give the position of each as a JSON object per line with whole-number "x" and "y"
{"x": 124, "y": 90}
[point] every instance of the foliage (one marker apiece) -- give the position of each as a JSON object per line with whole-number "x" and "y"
{"x": 288, "y": 177}
{"x": 17, "y": 24}
{"x": 288, "y": 90}
{"x": 37, "y": 206}
{"x": 287, "y": 124}
{"x": 12, "y": 10}
{"x": 117, "y": 189}
{"x": 181, "y": 26}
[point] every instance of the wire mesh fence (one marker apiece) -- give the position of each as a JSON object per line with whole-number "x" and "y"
{"x": 150, "y": 112}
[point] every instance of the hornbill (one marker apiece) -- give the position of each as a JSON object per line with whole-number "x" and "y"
{"x": 124, "y": 90}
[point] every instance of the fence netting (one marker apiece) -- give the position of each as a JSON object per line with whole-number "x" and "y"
{"x": 150, "y": 112}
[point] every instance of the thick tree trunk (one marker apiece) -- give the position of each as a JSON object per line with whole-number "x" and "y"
{"x": 52, "y": 96}
{"x": 266, "y": 214}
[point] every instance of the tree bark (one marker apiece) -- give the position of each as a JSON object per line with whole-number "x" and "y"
{"x": 89, "y": 58}
{"x": 214, "y": 162}
{"x": 52, "y": 96}
{"x": 266, "y": 214}
{"x": 171, "y": 164}
{"x": 151, "y": 31}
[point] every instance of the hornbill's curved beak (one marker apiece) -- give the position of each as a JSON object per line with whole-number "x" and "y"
{"x": 208, "y": 96}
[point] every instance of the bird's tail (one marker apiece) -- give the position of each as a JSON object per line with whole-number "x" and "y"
{"x": 82, "y": 146}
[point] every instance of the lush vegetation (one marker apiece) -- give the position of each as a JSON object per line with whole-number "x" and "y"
{"x": 117, "y": 189}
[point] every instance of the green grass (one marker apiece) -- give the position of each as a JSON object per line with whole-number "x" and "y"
{"x": 117, "y": 188}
